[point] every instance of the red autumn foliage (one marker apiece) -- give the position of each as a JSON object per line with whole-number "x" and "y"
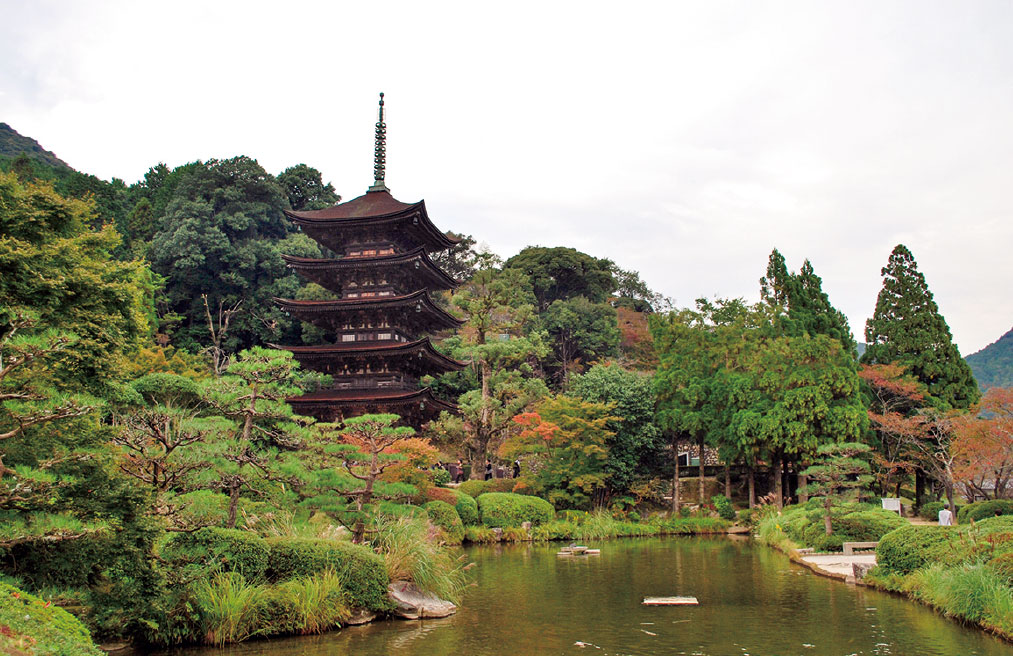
{"x": 983, "y": 446}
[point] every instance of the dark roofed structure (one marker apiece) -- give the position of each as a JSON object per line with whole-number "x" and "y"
{"x": 382, "y": 275}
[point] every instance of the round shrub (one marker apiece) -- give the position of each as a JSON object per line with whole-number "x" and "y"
{"x": 472, "y": 488}
{"x": 980, "y": 510}
{"x": 363, "y": 572}
{"x": 991, "y": 525}
{"x": 723, "y": 506}
{"x": 225, "y": 549}
{"x": 443, "y": 515}
{"x": 503, "y": 509}
{"x": 908, "y": 548}
{"x": 441, "y": 494}
{"x": 441, "y": 476}
{"x": 49, "y": 629}
{"x": 867, "y": 525}
{"x": 464, "y": 504}
{"x": 467, "y": 509}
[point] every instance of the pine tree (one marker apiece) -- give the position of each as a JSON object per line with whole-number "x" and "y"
{"x": 908, "y": 329}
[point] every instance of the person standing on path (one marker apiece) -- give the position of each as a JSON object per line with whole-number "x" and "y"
{"x": 517, "y": 468}
{"x": 945, "y": 516}
{"x": 488, "y": 470}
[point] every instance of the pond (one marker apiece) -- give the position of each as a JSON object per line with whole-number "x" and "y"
{"x": 753, "y": 601}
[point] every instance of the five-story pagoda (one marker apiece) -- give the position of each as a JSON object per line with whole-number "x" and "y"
{"x": 383, "y": 275}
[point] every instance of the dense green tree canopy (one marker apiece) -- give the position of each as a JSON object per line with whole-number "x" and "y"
{"x": 222, "y": 235}
{"x": 581, "y": 332}
{"x": 908, "y": 329}
{"x": 561, "y": 273}
{"x": 305, "y": 188}
{"x": 63, "y": 271}
{"x": 636, "y": 444}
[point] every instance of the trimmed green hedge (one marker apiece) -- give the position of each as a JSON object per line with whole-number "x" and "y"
{"x": 477, "y": 488}
{"x": 364, "y": 572}
{"x": 980, "y": 510}
{"x": 464, "y": 504}
{"x": 912, "y": 547}
{"x": 225, "y": 549}
{"x": 52, "y": 630}
{"x": 444, "y": 515}
{"x": 503, "y": 509}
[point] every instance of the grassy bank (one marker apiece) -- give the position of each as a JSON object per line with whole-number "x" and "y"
{"x": 965, "y": 572}
{"x": 598, "y": 525}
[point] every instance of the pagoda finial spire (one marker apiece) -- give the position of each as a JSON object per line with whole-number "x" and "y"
{"x": 380, "y": 152}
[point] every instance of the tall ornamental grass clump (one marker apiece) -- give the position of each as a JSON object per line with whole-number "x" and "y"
{"x": 306, "y": 605}
{"x": 505, "y": 509}
{"x": 229, "y": 607}
{"x": 968, "y": 591}
{"x": 412, "y": 554}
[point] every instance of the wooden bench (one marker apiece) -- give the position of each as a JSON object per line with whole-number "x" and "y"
{"x": 849, "y": 547}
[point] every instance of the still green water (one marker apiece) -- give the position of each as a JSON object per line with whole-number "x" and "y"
{"x": 752, "y": 601}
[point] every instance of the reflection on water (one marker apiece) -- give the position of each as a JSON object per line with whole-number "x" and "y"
{"x": 752, "y": 602}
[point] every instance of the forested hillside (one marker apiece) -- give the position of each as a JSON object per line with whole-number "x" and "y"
{"x": 13, "y": 144}
{"x": 993, "y": 365}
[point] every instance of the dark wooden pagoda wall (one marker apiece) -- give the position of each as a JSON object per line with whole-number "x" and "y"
{"x": 372, "y": 373}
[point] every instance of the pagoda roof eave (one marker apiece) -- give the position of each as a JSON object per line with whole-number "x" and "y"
{"x": 370, "y": 398}
{"x": 371, "y": 208}
{"x": 368, "y": 349}
{"x": 421, "y": 297}
{"x": 352, "y": 263}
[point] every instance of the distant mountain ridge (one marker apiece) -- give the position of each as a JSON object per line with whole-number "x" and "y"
{"x": 993, "y": 365}
{"x": 13, "y": 144}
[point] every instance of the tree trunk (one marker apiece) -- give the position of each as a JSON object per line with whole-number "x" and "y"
{"x": 778, "y": 480}
{"x": 728, "y": 481}
{"x": 919, "y": 488}
{"x": 233, "y": 505}
{"x": 701, "y": 470}
{"x": 359, "y": 530}
{"x": 803, "y": 480}
{"x": 675, "y": 478}
{"x": 483, "y": 429}
{"x": 826, "y": 517}
{"x": 752, "y": 486}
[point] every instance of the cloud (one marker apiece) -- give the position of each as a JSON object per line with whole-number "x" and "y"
{"x": 684, "y": 141}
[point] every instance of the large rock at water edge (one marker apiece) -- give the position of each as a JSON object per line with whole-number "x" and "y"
{"x": 413, "y": 604}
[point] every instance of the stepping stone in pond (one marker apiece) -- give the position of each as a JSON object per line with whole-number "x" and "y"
{"x": 670, "y": 601}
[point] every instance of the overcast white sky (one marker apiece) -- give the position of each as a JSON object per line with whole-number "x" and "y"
{"x": 682, "y": 140}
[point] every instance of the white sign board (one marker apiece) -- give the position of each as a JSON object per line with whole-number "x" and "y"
{"x": 892, "y": 504}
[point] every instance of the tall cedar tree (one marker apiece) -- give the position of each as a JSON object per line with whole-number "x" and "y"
{"x": 807, "y": 306}
{"x": 907, "y": 328}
